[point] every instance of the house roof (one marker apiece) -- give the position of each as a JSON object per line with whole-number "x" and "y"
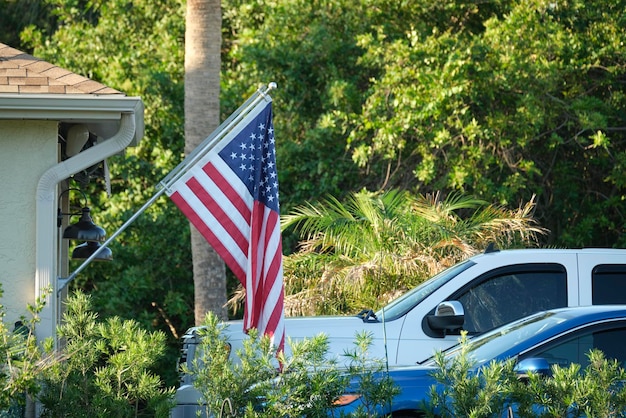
{"x": 33, "y": 89}
{"x": 21, "y": 73}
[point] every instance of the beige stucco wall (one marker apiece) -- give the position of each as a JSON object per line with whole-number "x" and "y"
{"x": 27, "y": 150}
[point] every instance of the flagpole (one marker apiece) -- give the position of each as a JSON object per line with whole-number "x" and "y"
{"x": 195, "y": 155}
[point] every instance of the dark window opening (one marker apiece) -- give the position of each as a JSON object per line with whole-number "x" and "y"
{"x": 608, "y": 284}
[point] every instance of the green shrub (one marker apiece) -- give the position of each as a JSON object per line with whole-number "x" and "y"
{"x": 259, "y": 382}
{"x": 375, "y": 387}
{"x": 594, "y": 391}
{"x": 20, "y": 361}
{"x": 496, "y": 390}
{"x": 469, "y": 394}
{"x": 250, "y": 383}
{"x": 103, "y": 369}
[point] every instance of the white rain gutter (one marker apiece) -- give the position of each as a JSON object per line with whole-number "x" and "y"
{"x": 129, "y": 112}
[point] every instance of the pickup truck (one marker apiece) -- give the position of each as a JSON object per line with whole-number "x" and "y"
{"x": 477, "y": 295}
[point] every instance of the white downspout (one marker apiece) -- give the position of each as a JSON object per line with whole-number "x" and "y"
{"x": 46, "y": 212}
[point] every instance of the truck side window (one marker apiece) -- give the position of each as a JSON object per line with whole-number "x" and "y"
{"x": 608, "y": 284}
{"x": 512, "y": 293}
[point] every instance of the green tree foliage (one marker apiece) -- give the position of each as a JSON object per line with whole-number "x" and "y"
{"x": 105, "y": 368}
{"x": 308, "y": 48}
{"x": 15, "y": 15}
{"x": 364, "y": 251}
{"x": 505, "y": 100}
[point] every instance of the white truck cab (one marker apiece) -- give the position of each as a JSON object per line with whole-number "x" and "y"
{"x": 476, "y": 295}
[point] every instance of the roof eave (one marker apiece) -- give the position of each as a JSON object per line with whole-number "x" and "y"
{"x": 102, "y": 112}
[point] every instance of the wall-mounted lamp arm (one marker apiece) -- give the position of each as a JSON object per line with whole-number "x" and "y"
{"x": 60, "y": 214}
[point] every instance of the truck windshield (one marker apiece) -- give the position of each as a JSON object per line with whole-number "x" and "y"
{"x": 406, "y": 302}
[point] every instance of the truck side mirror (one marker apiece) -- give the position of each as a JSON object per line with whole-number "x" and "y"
{"x": 448, "y": 316}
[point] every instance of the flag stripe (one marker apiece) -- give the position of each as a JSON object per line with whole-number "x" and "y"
{"x": 205, "y": 222}
{"x": 236, "y": 201}
{"x": 222, "y": 184}
{"x": 231, "y": 261}
{"x": 220, "y": 215}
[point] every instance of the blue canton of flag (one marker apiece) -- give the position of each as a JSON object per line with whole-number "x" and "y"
{"x": 252, "y": 156}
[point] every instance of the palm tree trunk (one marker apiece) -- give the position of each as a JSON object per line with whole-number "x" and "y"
{"x": 203, "y": 41}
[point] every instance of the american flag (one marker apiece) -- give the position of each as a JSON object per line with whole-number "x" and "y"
{"x": 231, "y": 196}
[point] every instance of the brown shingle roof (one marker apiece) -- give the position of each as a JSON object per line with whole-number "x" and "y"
{"x": 23, "y": 73}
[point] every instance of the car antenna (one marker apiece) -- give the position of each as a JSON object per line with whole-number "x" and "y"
{"x": 491, "y": 248}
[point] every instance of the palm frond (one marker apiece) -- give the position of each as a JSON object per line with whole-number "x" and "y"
{"x": 361, "y": 252}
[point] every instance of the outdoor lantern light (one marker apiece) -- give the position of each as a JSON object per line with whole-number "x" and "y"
{"x": 84, "y": 230}
{"x": 86, "y": 249}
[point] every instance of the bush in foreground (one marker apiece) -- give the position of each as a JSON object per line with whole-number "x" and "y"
{"x": 259, "y": 382}
{"x": 103, "y": 368}
{"x": 596, "y": 390}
